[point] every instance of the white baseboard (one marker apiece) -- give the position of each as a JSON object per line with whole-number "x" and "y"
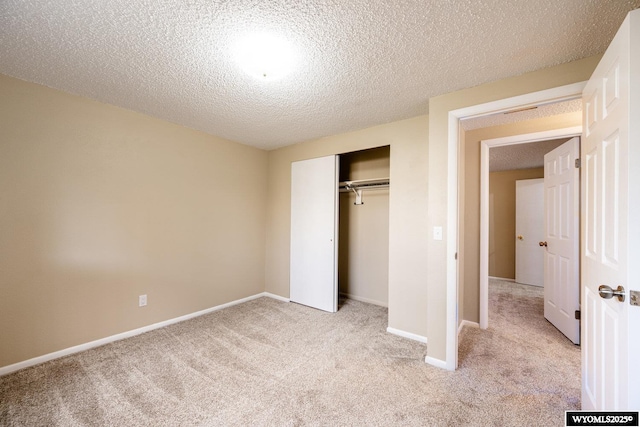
{"x": 408, "y": 335}
{"x": 435, "y": 362}
{"x": 531, "y": 284}
{"x": 362, "y": 299}
{"x": 467, "y": 323}
{"x": 274, "y": 296}
{"x": 514, "y": 281}
{"x": 502, "y": 278}
{"x": 97, "y": 343}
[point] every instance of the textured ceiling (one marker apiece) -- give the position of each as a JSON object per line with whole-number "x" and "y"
{"x": 521, "y": 156}
{"x": 359, "y": 62}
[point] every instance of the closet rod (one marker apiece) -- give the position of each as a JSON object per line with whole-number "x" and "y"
{"x": 364, "y": 184}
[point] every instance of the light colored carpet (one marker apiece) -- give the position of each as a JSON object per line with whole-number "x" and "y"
{"x": 267, "y": 362}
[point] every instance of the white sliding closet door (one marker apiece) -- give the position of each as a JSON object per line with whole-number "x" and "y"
{"x": 314, "y": 233}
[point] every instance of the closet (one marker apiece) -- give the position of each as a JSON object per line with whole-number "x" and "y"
{"x": 340, "y": 229}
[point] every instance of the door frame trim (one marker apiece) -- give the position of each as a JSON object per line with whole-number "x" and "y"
{"x": 556, "y": 94}
{"x": 485, "y": 146}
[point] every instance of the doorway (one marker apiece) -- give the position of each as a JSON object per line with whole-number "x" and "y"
{"x": 486, "y": 145}
{"x": 536, "y": 184}
{"x": 363, "y": 245}
{"x": 454, "y": 210}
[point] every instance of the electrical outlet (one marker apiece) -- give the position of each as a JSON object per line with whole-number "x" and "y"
{"x": 142, "y": 300}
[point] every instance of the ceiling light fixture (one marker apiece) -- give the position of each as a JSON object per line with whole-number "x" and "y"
{"x": 264, "y": 56}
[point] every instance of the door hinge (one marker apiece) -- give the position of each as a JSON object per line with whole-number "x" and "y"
{"x": 577, "y": 314}
{"x": 456, "y": 256}
{"x": 577, "y": 163}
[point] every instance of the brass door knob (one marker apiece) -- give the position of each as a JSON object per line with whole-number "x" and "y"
{"x": 520, "y": 237}
{"x": 543, "y": 244}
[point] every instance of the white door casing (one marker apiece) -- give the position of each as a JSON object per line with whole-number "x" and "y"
{"x": 314, "y": 233}
{"x": 562, "y": 238}
{"x": 529, "y": 231}
{"x": 485, "y": 146}
{"x": 610, "y": 349}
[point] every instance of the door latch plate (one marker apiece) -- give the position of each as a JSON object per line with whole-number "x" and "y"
{"x": 634, "y": 298}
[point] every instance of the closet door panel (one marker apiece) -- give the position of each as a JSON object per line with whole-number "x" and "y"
{"x": 314, "y": 220}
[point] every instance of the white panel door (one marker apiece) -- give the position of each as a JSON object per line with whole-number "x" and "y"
{"x": 562, "y": 238}
{"x": 611, "y": 226}
{"x": 529, "y": 231}
{"x": 314, "y": 233}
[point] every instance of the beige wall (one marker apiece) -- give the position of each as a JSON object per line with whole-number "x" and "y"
{"x": 99, "y": 205}
{"x": 502, "y": 220}
{"x": 363, "y": 264}
{"x": 407, "y": 210}
{"x": 470, "y": 193}
{"x": 107, "y": 204}
{"x": 439, "y": 108}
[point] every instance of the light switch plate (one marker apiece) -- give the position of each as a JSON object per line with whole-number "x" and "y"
{"x": 437, "y": 233}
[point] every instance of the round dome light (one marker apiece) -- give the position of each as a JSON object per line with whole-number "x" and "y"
{"x": 264, "y": 56}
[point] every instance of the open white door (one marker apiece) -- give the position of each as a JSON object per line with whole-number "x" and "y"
{"x": 314, "y": 233}
{"x": 611, "y": 226}
{"x": 529, "y": 231}
{"x": 561, "y": 244}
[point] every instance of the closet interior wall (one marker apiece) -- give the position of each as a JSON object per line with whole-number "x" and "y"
{"x": 363, "y": 244}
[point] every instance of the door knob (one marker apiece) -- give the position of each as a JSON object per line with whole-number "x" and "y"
{"x": 543, "y": 244}
{"x": 606, "y": 292}
{"x": 520, "y": 237}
